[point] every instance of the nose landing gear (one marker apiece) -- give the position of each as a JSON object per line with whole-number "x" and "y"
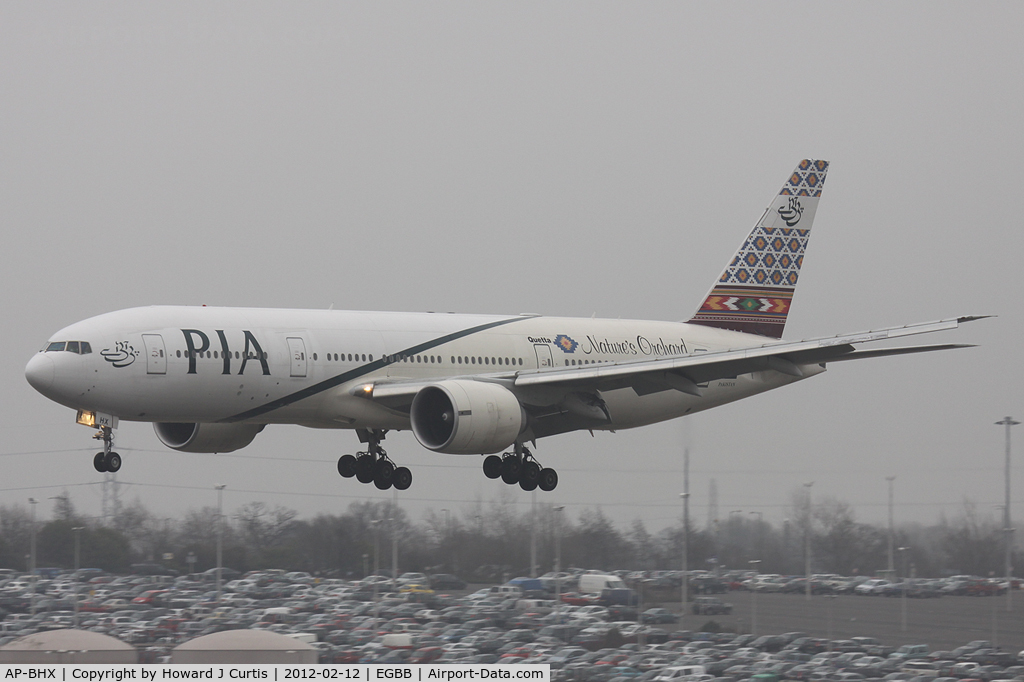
{"x": 374, "y": 465}
{"x": 107, "y": 461}
{"x": 520, "y": 467}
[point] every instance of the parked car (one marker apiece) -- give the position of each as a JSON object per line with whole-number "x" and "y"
{"x": 711, "y": 606}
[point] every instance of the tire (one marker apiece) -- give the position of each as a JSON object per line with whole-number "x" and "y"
{"x": 492, "y": 466}
{"x": 98, "y": 463}
{"x": 112, "y": 462}
{"x": 347, "y": 466}
{"x": 402, "y": 478}
{"x": 365, "y": 468}
{"x": 527, "y": 485}
{"x": 530, "y": 474}
{"x": 511, "y": 467}
{"x": 548, "y": 480}
{"x": 384, "y": 474}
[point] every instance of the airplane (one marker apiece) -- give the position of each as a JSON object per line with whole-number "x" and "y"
{"x": 211, "y": 378}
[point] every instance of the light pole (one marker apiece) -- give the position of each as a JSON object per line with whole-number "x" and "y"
{"x": 903, "y": 596}
{"x": 1007, "y": 525}
{"x": 760, "y": 531}
{"x": 77, "y": 530}
{"x": 32, "y": 555}
{"x": 831, "y": 598}
{"x": 376, "y": 568}
{"x": 753, "y": 599}
{"x": 807, "y": 546}
{"x": 558, "y": 562}
{"x": 685, "y": 591}
{"x": 394, "y": 554}
{"x": 533, "y": 534}
{"x": 892, "y": 528}
{"x": 220, "y": 536}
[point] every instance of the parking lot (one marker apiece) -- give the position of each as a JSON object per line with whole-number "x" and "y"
{"x": 941, "y": 623}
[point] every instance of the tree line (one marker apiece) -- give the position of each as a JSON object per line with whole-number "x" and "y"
{"x": 488, "y": 541}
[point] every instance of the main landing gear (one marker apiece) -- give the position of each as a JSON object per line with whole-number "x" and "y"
{"x": 107, "y": 461}
{"x": 374, "y": 465}
{"x": 520, "y": 467}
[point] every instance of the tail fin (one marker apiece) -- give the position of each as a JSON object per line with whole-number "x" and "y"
{"x": 754, "y": 293}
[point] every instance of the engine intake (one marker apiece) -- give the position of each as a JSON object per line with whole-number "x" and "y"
{"x": 206, "y": 437}
{"x": 466, "y": 417}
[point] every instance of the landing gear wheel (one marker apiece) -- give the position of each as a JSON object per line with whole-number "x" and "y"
{"x": 99, "y": 462}
{"x": 402, "y": 478}
{"x": 511, "y": 467}
{"x": 112, "y": 462}
{"x": 384, "y": 474}
{"x": 548, "y": 480}
{"x": 347, "y": 466}
{"x": 530, "y": 476}
{"x": 365, "y": 468}
{"x": 492, "y": 466}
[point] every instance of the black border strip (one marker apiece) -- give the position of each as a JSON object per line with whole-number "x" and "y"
{"x": 364, "y": 370}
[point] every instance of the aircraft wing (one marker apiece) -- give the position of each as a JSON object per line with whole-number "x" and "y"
{"x": 697, "y": 368}
{"x": 685, "y": 372}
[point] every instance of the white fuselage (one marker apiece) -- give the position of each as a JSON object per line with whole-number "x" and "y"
{"x": 189, "y": 364}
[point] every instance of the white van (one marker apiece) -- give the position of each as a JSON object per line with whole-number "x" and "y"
{"x": 676, "y": 673}
{"x": 593, "y": 583}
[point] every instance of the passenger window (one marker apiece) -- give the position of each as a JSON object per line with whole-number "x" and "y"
{"x": 72, "y": 346}
{"x": 56, "y": 346}
{"x": 178, "y": 353}
{"x": 314, "y": 356}
{"x": 371, "y": 357}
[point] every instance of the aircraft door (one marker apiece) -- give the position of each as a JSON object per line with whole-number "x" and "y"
{"x": 156, "y": 358}
{"x": 544, "y": 358}
{"x": 297, "y": 353}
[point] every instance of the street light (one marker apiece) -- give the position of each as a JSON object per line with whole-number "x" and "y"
{"x": 77, "y": 530}
{"x": 685, "y": 592}
{"x": 760, "y": 531}
{"x": 807, "y": 546}
{"x": 376, "y": 567}
{"x": 892, "y": 529}
{"x": 1007, "y": 525}
{"x": 220, "y": 536}
{"x": 533, "y": 534}
{"x": 753, "y": 599}
{"x": 32, "y": 555}
{"x": 903, "y": 597}
{"x": 558, "y": 562}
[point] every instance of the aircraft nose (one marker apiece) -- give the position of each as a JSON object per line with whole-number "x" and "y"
{"x": 39, "y": 372}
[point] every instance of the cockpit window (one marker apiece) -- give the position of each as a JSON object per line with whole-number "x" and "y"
{"x": 80, "y": 347}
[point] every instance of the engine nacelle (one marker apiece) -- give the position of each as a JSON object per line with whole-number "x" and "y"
{"x": 466, "y": 417}
{"x": 206, "y": 437}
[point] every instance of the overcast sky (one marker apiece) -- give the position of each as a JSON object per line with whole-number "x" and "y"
{"x": 559, "y": 158}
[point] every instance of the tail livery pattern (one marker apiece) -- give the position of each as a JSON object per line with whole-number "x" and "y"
{"x": 754, "y": 293}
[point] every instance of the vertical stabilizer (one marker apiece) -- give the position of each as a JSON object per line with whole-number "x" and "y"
{"x": 754, "y": 293}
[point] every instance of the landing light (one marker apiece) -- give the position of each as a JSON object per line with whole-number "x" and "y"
{"x": 368, "y": 389}
{"x": 86, "y": 418}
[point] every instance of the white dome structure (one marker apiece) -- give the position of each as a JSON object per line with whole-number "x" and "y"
{"x": 246, "y": 647}
{"x": 68, "y": 646}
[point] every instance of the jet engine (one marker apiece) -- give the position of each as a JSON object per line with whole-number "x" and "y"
{"x": 461, "y": 417}
{"x": 206, "y": 437}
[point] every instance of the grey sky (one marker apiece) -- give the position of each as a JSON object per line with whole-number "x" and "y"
{"x": 559, "y": 158}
